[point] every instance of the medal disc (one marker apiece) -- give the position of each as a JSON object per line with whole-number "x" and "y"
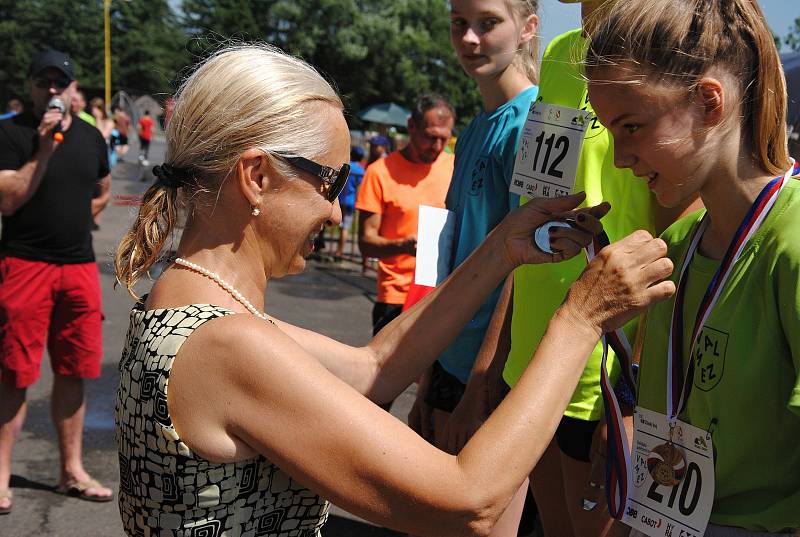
{"x": 541, "y": 236}
{"x": 666, "y": 464}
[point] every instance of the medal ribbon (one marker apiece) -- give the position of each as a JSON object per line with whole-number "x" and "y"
{"x": 676, "y": 380}
{"x": 618, "y": 459}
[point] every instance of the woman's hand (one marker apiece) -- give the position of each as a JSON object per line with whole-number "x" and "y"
{"x": 620, "y": 282}
{"x": 521, "y": 224}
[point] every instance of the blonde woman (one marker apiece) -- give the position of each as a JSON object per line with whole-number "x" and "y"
{"x": 229, "y": 420}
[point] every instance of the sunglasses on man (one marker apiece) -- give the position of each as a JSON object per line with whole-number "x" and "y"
{"x": 334, "y": 180}
{"x": 43, "y": 82}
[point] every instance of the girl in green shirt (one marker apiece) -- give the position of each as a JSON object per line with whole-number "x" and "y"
{"x": 694, "y": 94}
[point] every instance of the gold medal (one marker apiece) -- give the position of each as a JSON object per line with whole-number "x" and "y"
{"x": 666, "y": 464}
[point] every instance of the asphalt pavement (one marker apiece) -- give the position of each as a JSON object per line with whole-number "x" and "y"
{"x": 331, "y": 298}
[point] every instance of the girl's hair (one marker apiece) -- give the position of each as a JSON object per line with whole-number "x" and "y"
{"x": 527, "y": 58}
{"x": 242, "y": 97}
{"x": 679, "y": 41}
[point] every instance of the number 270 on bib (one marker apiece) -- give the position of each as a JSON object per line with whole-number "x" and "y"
{"x": 548, "y": 152}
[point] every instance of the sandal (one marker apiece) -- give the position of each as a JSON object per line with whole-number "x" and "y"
{"x": 5, "y": 494}
{"x": 78, "y": 490}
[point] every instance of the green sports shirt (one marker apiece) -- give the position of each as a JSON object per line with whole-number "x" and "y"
{"x": 747, "y": 363}
{"x": 540, "y": 289}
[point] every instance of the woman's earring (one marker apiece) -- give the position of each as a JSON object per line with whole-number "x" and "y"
{"x": 256, "y": 211}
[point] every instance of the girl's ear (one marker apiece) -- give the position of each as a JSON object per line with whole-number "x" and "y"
{"x": 529, "y": 30}
{"x": 251, "y": 175}
{"x": 710, "y": 96}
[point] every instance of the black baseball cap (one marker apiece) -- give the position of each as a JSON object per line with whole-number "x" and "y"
{"x": 52, "y": 58}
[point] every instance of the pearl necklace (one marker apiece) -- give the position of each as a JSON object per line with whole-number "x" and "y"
{"x": 225, "y": 285}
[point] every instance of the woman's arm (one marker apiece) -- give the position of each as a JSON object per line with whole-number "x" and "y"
{"x": 404, "y": 348}
{"x": 241, "y": 387}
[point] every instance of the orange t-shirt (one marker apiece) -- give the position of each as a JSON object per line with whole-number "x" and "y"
{"x": 394, "y": 188}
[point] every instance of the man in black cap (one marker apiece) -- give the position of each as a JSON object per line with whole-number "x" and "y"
{"x": 54, "y": 177}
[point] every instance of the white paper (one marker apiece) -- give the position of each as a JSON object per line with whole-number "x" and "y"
{"x": 435, "y": 233}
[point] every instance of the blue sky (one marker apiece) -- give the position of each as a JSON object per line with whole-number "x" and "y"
{"x": 557, "y": 18}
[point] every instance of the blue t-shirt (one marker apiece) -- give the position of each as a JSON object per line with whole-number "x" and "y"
{"x": 347, "y": 197}
{"x": 485, "y": 155}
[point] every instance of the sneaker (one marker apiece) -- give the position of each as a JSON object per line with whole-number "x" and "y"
{"x": 145, "y": 162}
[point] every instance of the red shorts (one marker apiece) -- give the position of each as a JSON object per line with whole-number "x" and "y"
{"x": 45, "y": 302}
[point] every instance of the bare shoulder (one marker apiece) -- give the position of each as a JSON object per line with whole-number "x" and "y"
{"x": 221, "y": 360}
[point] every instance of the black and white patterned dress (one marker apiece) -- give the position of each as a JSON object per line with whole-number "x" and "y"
{"x": 167, "y": 490}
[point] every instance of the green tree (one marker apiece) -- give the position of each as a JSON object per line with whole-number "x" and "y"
{"x": 372, "y": 51}
{"x": 147, "y": 42}
{"x": 792, "y": 39}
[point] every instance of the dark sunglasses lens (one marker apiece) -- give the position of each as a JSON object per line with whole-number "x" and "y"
{"x": 340, "y": 183}
{"x": 60, "y": 83}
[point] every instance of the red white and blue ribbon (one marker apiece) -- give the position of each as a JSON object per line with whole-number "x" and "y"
{"x": 618, "y": 460}
{"x": 679, "y": 385}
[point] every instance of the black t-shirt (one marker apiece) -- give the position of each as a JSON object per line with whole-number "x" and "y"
{"x": 55, "y": 225}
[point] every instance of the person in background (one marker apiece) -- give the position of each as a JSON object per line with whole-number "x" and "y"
{"x": 145, "y": 135}
{"x": 50, "y": 292}
{"x": 122, "y": 122}
{"x": 378, "y": 148}
{"x": 389, "y": 198}
{"x": 347, "y": 199}
{"x": 13, "y": 108}
{"x": 79, "y": 108}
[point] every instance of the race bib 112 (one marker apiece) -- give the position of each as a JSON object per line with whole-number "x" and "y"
{"x": 548, "y": 152}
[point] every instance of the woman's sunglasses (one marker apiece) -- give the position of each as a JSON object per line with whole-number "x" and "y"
{"x": 334, "y": 180}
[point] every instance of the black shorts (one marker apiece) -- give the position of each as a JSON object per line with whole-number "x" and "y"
{"x": 383, "y": 314}
{"x": 445, "y": 390}
{"x": 574, "y": 437}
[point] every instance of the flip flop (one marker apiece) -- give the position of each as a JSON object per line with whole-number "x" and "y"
{"x": 5, "y": 494}
{"x": 78, "y": 490}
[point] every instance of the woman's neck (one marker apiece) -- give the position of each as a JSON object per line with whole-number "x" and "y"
{"x": 498, "y": 90}
{"x": 728, "y": 195}
{"x": 239, "y": 264}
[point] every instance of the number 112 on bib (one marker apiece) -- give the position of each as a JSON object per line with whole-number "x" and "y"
{"x": 549, "y": 150}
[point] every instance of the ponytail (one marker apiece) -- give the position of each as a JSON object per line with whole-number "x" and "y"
{"x": 140, "y": 248}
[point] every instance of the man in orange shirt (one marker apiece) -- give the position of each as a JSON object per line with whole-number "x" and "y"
{"x": 389, "y": 199}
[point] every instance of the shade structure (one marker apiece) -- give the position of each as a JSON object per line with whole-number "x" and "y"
{"x": 385, "y": 114}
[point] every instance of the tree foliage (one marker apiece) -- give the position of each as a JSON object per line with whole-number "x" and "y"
{"x": 792, "y": 39}
{"x": 147, "y": 42}
{"x": 372, "y": 51}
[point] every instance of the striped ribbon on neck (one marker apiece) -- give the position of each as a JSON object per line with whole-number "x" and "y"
{"x": 618, "y": 460}
{"x": 679, "y": 385}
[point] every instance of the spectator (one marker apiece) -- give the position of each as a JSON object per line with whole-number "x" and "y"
{"x": 122, "y": 121}
{"x": 347, "y": 199}
{"x": 389, "y": 200}
{"x": 145, "y": 135}
{"x": 50, "y": 293}
{"x": 14, "y": 107}
{"x": 79, "y": 107}
{"x": 378, "y": 148}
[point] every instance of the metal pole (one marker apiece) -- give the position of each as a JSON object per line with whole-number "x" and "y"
{"x": 107, "y": 33}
